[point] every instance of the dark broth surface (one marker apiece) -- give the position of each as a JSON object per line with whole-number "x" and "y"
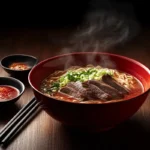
{"x": 133, "y": 85}
{"x": 8, "y": 92}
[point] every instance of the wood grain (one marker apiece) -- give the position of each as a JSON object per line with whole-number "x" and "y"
{"x": 44, "y": 133}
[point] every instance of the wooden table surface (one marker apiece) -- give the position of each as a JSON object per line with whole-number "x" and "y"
{"x": 43, "y": 132}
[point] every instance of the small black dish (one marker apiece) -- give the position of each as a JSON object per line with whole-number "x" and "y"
{"x": 13, "y": 83}
{"x": 27, "y": 60}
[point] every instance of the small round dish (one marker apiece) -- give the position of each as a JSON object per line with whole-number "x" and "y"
{"x": 18, "y": 65}
{"x": 11, "y": 90}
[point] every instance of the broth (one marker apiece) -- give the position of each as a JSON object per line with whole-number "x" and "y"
{"x": 91, "y": 84}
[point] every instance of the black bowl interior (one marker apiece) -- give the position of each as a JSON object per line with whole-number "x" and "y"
{"x": 13, "y": 82}
{"x": 27, "y": 59}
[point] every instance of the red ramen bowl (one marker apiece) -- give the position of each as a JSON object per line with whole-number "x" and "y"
{"x": 88, "y": 116}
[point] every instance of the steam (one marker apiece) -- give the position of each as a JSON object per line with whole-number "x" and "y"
{"x": 103, "y": 28}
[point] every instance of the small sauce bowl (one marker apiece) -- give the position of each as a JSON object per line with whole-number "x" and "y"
{"x": 18, "y": 65}
{"x": 11, "y": 90}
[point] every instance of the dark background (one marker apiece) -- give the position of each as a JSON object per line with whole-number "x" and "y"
{"x": 59, "y": 13}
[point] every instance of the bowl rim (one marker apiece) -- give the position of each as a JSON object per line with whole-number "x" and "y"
{"x": 78, "y": 53}
{"x": 20, "y": 93}
{"x": 19, "y": 54}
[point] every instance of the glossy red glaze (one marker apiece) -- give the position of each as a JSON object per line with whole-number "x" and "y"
{"x": 90, "y": 117}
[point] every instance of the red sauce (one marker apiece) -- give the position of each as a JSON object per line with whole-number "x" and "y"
{"x": 8, "y": 92}
{"x": 19, "y": 66}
